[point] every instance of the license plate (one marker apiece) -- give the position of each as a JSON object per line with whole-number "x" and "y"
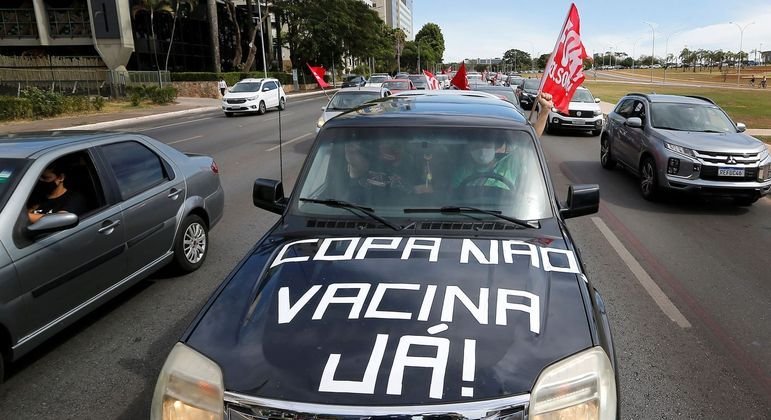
{"x": 730, "y": 172}
{"x": 578, "y": 122}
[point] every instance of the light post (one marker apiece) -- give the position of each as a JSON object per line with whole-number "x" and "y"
{"x": 653, "y": 46}
{"x": 262, "y": 39}
{"x": 741, "y": 39}
{"x": 634, "y": 48}
{"x": 666, "y": 55}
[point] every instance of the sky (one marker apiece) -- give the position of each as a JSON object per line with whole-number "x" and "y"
{"x": 481, "y": 29}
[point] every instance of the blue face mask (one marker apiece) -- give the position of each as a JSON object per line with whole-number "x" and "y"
{"x": 483, "y": 156}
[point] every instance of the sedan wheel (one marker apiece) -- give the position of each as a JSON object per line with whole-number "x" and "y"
{"x": 191, "y": 245}
{"x": 648, "y": 181}
{"x": 282, "y": 104}
{"x": 606, "y": 159}
{"x": 262, "y": 108}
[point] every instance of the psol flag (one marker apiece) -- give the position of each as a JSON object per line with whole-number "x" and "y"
{"x": 431, "y": 80}
{"x": 318, "y": 73}
{"x": 459, "y": 80}
{"x": 564, "y": 70}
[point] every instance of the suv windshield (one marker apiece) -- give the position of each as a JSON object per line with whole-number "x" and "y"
{"x": 390, "y": 169}
{"x": 397, "y": 85}
{"x": 532, "y": 84}
{"x": 582, "y": 95}
{"x": 378, "y": 79}
{"x": 246, "y": 87}
{"x": 10, "y": 172}
{"x": 344, "y": 101}
{"x": 690, "y": 117}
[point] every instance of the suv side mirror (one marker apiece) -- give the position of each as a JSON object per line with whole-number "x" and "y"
{"x": 634, "y": 122}
{"x": 53, "y": 222}
{"x": 265, "y": 89}
{"x": 596, "y": 100}
{"x": 740, "y": 127}
{"x": 268, "y": 194}
{"x": 582, "y": 199}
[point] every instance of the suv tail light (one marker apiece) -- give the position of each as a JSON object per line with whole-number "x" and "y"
{"x": 214, "y": 167}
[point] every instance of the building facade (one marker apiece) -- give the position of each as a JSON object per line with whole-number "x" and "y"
{"x": 396, "y": 14}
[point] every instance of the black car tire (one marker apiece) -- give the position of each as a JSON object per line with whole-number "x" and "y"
{"x": 191, "y": 244}
{"x": 649, "y": 187}
{"x": 606, "y": 157}
{"x": 228, "y": 114}
{"x": 282, "y": 104}
{"x": 745, "y": 201}
{"x": 261, "y": 111}
{"x": 549, "y": 128}
{"x": 2, "y": 367}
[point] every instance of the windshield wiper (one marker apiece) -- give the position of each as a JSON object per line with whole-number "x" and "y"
{"x": 670, "y": 128}
{"x": 350, "y": 206}
{"x": 530, "y": 224}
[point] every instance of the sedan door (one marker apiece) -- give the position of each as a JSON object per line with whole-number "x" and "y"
{"x": 153, "y": 194}
{"x": 61, "y": 272}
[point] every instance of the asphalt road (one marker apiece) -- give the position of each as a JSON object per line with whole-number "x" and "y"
{"x": 704, "y": 355}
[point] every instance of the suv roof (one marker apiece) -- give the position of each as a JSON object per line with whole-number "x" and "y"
{"x": 681, "y": 99}
{"x": 254, "y": 80}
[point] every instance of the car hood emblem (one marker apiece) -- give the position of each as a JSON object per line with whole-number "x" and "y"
{"x": 730, "y": 160}
{"x": 578, "y": 113}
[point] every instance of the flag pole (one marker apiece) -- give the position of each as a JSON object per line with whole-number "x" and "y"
{"x": 550, "y": 61}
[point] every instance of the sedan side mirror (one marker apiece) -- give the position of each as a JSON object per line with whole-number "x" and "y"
{"x": 740, "y": 127}
{"x": 265, "y": 89}
{"x": 53, "y": 222}
{"x": 596, "y": 100}
{"x": 268, "y": 194}
{"x": 582, "y": 199}
{"x": 634, "y": 122}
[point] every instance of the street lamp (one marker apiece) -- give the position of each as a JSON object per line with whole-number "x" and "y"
{"x": 741, "y": 39}
{"x": 653, "y": 46}
{"x": 634, "y": 47}
{"x": 666, "y": 55}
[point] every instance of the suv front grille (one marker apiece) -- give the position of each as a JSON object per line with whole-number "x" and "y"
{"x": 709, "y": 173}
{"x": 584, "y": 114}
{"x": 722, "y": 157}
{"x": 236, "y": 101}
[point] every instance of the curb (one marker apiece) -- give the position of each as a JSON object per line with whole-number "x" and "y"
{"x": 163, "y": 115}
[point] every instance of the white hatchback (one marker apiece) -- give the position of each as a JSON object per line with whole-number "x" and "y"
{"x": 254, "y": 95}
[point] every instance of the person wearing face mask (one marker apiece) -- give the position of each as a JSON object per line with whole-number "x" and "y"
{"x": 51, "y": 196}
{"x": 486, "y": 156}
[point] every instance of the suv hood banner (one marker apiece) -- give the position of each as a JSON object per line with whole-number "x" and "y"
{"x": 395, "y": 320}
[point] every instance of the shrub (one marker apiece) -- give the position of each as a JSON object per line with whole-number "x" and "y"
{"x": 98, "y": 102}
{"x": 13, "y": 108}
{"x": 162, "y": 96}
{"x": 44, "y": 103}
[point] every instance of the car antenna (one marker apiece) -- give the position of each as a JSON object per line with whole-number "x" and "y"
{"x": 280, "y": 149}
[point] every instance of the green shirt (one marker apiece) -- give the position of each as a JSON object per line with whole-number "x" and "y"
{"x": 503, "y": 167}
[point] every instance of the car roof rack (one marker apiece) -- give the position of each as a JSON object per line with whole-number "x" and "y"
{"x": 704, "y": 98}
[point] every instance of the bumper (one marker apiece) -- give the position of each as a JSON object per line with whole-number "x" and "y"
{"x": 248, "y": 106}
{"x": 686, "y": 173}
{"x": 215, "y": 205}
{"x": 576, "y": 123}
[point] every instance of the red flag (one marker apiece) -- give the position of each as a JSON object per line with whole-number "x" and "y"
{"x": 432, "y": 79}
{"x": 318, "y": 73}
{"x": 460, "y": 81}
{"x": 564, "y": 70}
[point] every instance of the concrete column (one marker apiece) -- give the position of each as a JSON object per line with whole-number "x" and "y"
{"x": 41, "y": 18}
{"x": 214, "y": 33}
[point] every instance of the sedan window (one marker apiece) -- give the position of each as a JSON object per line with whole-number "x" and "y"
{"x": 136, "y": 167}
{"x": 392, "y": 169}
{"x": 11, "y": 171}
{"x": 683, "y": 117}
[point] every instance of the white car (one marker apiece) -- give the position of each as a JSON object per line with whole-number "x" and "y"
{"x": 444, "y": 81}
{"x": 376, "y": 80}
{"x": 584, "y": 114}
{"x": 254, "y": 95}
{"x": 348, "y": 98}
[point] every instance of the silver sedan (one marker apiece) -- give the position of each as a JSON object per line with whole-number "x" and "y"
{"x": 85, "y": 215}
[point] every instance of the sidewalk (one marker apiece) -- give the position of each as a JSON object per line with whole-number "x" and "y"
{"x": 182, "y": 106}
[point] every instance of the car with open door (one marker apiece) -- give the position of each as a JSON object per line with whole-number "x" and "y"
{"x": 420, "y": 268}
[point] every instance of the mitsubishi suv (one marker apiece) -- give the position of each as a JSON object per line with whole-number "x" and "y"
{"x": 254, "y": 96}
{"x": 685, "y": 143}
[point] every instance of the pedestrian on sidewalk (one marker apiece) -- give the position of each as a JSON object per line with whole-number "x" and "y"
{"x": 752, "y": 81}
{"x": 763, "y": 82}
{"x": 223, "y": 86}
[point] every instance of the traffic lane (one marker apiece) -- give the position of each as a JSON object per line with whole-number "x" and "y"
{"x": 106, "y": 365}
{"x": 711, "y": 254}
{"x": 657, "y": 357}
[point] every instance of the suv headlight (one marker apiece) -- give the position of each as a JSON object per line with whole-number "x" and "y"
{"x": 764, "y": 172}
{"x": 679, "y": 149}
{"x": 320, "y": 122}
{"x": 190, "y": 386}
{"x": 582, "y": 386}
{"x": 597, "y": 113}
{"x": 253, "y": 98}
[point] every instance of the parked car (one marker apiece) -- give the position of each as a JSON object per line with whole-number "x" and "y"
{"x": 421, "y": 81}
{"x": 254, "y": 96}
{"x": 398, "y": 85}
{"x": 506, "y": 92}
{"x": 348, "y": 98}
{"x": 354, "y": 81}
{"x": 687, "y": 144}
{"x": 529, "y": 92}
{"x": 138, "y": 205}
{"x": 584, "y": 114}
{"x": 400, "y": 282}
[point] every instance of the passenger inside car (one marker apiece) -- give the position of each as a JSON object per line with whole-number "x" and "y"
{"x": 488, "y": 163}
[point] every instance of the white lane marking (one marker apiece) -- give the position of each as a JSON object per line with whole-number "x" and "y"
{"x": 177, "y": 123}
{"x": 184, "y": 140}
{"x": 642, "y": 276}
{"x": 289, "y": 142}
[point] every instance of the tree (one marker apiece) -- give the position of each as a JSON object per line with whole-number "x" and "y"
{"x": 542, "y": 60}
{"x": 431, "y": 35}
{"x": 518, "y": 59}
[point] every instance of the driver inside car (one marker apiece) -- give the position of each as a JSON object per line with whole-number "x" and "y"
{"x": 488, "y": 164}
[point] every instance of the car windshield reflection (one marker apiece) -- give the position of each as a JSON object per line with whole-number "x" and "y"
{"x": 681, "y": 117}
{"x": 392, "y": 169}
